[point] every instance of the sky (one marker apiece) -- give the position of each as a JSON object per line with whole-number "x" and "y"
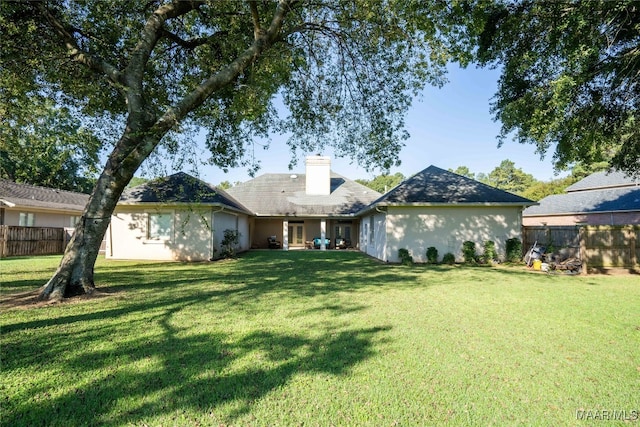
{"x": 449, "y": 127}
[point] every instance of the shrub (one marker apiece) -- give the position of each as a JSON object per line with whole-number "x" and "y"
{"x": 513, "y": 250}
{"x": 469, "y": 251}
{"x": 489, "y": 253}
{"x": 432, "y": 255}
{"x": 405, "y": 257}
{"x": 449, "y": 258}
{"x": 229, "y": 242}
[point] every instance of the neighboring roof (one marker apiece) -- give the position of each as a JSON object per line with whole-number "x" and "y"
{"x": 600, "y": 180}
{"x": 285, "y": 195}
{"x": 435, "y": 186}
{"x": 179, "y": 188}
{"x": 593, "y": 201}
{"x": 15, "y": 195}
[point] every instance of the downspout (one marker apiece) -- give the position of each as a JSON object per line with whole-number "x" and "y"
{"x": 212, "y": 251}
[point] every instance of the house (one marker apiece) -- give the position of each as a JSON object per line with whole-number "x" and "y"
{"x": 440, "y": 209}
{"x": 601, "y": 198}
{"x": 297, "y": 209}
{"x": 34, "y": 206}
{"x": 181, "y": 217}
{"x": 175, "y": 218}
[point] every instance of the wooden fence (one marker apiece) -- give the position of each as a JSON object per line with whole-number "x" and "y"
{"x": 17, "y": 241}
{"x": 598, "y": 247}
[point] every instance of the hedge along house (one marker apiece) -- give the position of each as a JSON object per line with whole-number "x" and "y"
{"x": 175, "y": 218}
{"x": 437, "y": 208}
{"x": 299, "y": 208}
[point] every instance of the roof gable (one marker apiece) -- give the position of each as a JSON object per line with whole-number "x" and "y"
{"x": 285, "y": 195}
{"x": 438, "y": 186}
{"x": 14, "y": 194}
{"x": 179, "y": 188}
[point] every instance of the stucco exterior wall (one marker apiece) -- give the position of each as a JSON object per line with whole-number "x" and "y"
{"x": 374, "y": 244}
{"x": 192, "y": 237}
{"x": 446, "y": 228}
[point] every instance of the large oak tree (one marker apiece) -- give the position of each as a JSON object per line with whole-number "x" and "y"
{"x": 570, "y": 74}
{"x": 346, "y": 71}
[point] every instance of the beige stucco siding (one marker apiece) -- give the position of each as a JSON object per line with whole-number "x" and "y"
{"x": 373, "y": 235}
{"x": 446, "y": 228}
{"x": 190, "y": 237}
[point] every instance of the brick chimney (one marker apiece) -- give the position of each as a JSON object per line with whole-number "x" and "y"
{"x": 318, "y": 176}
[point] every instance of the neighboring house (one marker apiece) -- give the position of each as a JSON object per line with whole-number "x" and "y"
{"x": 175, "y": 218}
{"x": 299, "y": 208}
{"x": 600, "y": 199}
{"x": 33, "y": 206}
{"x": 440, "y": 209}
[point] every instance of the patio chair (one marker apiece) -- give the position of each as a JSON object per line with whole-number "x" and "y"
{"x": 272, "y": 243}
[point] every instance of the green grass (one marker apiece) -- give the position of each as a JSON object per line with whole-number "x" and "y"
{"x": 319, "y": 338}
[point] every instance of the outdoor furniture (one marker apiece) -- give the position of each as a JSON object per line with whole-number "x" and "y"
{"x": 317, "y": 242}
{"x": 272, "y": 243}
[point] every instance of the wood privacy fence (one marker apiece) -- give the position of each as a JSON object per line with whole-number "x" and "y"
{"x": 17, "y": 241}
{"x": 597, "y": 246}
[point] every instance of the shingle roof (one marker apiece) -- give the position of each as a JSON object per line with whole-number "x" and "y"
{"x": 438, "y": 186}
{"x": 609, "y": 200}
{"x": 13, "y": 194}
{"x": 603, "y": 180}
{"x": 179, "y": 188}
{"x": 285, "y": 195}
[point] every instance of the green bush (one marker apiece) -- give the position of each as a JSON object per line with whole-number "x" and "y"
{"x": 449, "y": 258}
{"x": 405, "y": 257}
{"x": 432, "y": 255}
{"x": 469, "y": 251}
{"x": 489, "y": 253}
{"x": 513, "y": 250}
{"x": 229, "y": 242}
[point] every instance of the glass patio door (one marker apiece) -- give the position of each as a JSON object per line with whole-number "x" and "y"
{"x": 296, "y": 234}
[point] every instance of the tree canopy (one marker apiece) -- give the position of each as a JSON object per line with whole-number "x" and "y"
{"x": 570, "y": 74}
{"x": 47, "y": 145}
{"x": 382, "y": 183}
{"x": 345, "y": 71}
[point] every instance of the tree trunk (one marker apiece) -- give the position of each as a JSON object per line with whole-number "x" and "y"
{"x": 74, "y": 275}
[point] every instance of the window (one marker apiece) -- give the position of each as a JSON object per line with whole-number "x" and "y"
{"x": 73, "y": 221}
{"x": 27, "y": 219}
{"x": 160, "y": 226}
{"x": 371, "y": 229}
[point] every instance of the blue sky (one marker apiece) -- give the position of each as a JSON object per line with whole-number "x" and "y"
{"x": 449, "y": 127}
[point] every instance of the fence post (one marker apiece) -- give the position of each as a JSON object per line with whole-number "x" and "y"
{"x": 633, "y": 259}
{"x": 583, "y": 249}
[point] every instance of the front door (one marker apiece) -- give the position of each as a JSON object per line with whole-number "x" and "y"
{"x": 296, "y": 234}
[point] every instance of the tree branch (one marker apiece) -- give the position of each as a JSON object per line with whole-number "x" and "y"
{"x": 255, "y": 17}
{"x": 94, "y": 63}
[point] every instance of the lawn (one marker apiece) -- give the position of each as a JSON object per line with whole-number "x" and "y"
{"x": 320, "y": 338}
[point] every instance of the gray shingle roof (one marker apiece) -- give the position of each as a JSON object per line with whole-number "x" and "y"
{"x": 603, "y": 180}
{"x": 609, "y": 200}
{"x": 285, "y": 195}
{"x": 599, "y": 192}
{"x": 438, "y": 186}
{"x": 32, "y": 196}
{"x": 179, "y": 188}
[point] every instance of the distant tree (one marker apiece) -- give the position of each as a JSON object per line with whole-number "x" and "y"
{"x": 569, "y": 74}
{"x": 136, "y": 180}
{"x": 383, "y": 183}
{"x": 47, "y": 146}
{"x": 509, "y": 178}
{"x": 464, "y": 171}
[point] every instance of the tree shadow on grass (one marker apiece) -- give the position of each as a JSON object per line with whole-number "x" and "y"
{"x": 173, "y": 373}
